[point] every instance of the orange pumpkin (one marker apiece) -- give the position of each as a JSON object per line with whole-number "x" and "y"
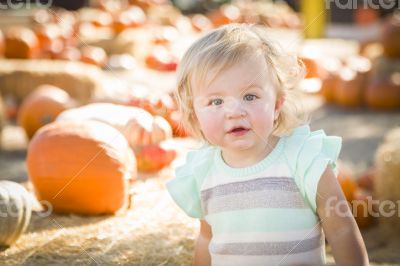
{"x": 313, "y": 69}
{"x": 94, "y": 55}
{"x": 102, "y": 19}
{"x": 178, "y": 130}
{"x": 366, "y": 179}
{"x": 41, "y": 107}
{"x": 81, "y": 167}
{"x": 160, "y": 58}
{"x": 346, "y": 181}
{"x": 331, "y": 66}
{"x": 21, "y": 43}
{"x": 138, "y": 126}
{"x": 48, "y": 34}
{"x": 225, "y": 14}
{"x": 361, "y": 212}
{"x": 384, "y": 93}
{"x": 391, "y": 36}
{"x": 68, "y": 53}
{"x": 201, "y": 23}
{"x": 131, "y": 18}
{"x": 154, "y": 157}
{"x": 350, "y": 88}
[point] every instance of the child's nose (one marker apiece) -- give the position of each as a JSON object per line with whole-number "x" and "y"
{"x": 234, "y": 109}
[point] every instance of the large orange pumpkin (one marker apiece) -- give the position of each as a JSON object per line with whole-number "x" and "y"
{"x": 21, "y": 43}
{"x": 81, "y": 167}
{"x": 41, "y": 107}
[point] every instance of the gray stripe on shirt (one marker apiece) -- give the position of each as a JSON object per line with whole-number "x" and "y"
{"x": 267, "y": 248}
{"x": 262, "y": 183}
{"x": 254, "y": 199}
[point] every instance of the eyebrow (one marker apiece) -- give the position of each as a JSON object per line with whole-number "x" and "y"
{"x": 242, "y": 90}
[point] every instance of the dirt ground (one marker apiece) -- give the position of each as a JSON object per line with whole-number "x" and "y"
{"x": 362, "y": 130}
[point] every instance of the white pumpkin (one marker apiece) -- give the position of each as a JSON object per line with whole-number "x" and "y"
{"x": 138, "y": 126}
{"x": 15, "y": 212}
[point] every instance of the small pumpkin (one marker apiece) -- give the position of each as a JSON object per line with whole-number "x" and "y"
{"x": 81, "y": 167}
{"x": 160, "y": 58}
{"x": 201, "y": 23}
{"x": 22, "y": 43}
{"x": 15, "y": 211}
{"x": 346, "y": 181}
{"x": 313, "y": 69}
{"x": 225, "y": 14}
{"x": 366, "y": 179}
{"x": 94, "y": 55}
{"x": 41, "y": 107}
{"x": 138, "y": 126}
{"x": 152, "y": 158}
{"x": 48, "y": 36}
{"x": 361, "y": 210}
{"x": 131, "y": 18}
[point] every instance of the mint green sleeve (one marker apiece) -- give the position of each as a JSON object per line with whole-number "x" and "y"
{"x": 314, "y": 153}
{"x": 314, "y": 160}
{"x": 185, "y": 187}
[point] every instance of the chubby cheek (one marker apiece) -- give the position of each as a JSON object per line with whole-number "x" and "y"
{"x": 211, "y": 124}
{"x": 263, "y": 118}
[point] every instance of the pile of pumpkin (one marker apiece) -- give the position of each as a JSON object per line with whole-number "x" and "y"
{"x": 65, "y": 35}
{"x": 82, "y": 159}
{"x": 370, "y": 79}
{"x": 359, "y": 192}
{"x": 375, "y": 195}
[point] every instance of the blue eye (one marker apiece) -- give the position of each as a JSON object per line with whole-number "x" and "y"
{"x": 215, "y": 102}
{"x": 250, "y": 97}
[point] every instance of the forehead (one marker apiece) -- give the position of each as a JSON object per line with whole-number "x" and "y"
{"x": 247, "y": 72}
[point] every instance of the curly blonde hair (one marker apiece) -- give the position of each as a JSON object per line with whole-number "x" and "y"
{"x": 222, "y": 48}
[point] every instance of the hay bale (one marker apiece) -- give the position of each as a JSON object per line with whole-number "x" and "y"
{"x": 20, "y": 77}
{"x": 387, "y": 183}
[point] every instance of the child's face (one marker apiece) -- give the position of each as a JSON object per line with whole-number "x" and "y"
{"x": 236, "y": 110}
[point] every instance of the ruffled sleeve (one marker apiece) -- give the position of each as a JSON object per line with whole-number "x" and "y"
{"x": 185, "y": 187}
{"x": 309, "y": 154}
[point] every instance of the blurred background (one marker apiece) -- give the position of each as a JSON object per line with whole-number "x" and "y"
{"x": 85, "y": 60}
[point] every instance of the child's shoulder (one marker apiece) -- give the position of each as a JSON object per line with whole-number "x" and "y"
{"x": 304, "y": 145}
{"x": 197, "y": 161}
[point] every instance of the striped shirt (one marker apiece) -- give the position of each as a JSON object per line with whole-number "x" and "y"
{"x": 264, "y": 214}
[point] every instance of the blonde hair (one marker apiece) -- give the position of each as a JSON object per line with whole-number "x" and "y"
{"x": 225, "y": 46}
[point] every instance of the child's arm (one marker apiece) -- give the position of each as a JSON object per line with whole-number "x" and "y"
{"x": 338, "y": 223}
{"x": 201, "y": 254}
